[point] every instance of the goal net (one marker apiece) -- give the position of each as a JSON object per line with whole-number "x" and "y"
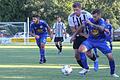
{"x": 14, "y": 32}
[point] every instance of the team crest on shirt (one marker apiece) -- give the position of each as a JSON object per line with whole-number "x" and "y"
{"x": 41, "y": 26}
{"x": 39, "y": 30}
{"x": 95, "y": 32}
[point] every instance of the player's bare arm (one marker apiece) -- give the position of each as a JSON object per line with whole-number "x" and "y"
{"x": 36, "y": 36}
{"x": 94, "y": 25}
{"x": 78, "y": 31}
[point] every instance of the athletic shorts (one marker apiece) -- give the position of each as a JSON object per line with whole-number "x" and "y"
{"x": 58, "y": 39}
{"x": 101, "y": 45}
{"x": 78, "y": 41}
{"x": 42, "y": 39}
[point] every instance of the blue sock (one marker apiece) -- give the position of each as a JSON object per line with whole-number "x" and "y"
{"x": 84, "y": 60}
{"x": 42, "y": 54}
{"x": 112, "y": 66}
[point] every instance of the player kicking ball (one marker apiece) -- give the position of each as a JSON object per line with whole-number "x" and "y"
{"x": 97, "y": 39}
{"x": 75, "y": 20}
{"x": 39, "y": 29}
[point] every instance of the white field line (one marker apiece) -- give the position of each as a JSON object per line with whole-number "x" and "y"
{"x": 45, "y": 47}
{"x": 21, "y": 77}
{"x": 44, "y": 66}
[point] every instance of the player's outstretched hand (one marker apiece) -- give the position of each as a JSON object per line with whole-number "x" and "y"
{"x": 37, "y": 37}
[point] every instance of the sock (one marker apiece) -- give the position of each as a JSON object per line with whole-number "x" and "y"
{"x": 84, "y": 60}
{"x": 80, "y": 63}
{"x": 57, "y": 46}
{"x": 93, "y": 58}
{"x": 112, "y": 66}
{"x": 60, "y": 47}
{"x": 42, "y": 54}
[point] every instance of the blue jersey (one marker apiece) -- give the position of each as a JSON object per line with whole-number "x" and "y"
{"x": 40, "y": 28}
{"x": 109, "y": 27}
{"x": 95, "y": 34}
{"x": 109, "y": 36}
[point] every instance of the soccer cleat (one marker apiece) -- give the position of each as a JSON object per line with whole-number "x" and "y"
{"x": 96, "y": 65}
{"x": 59, "y": 52}
{"x": 44, "y": 61}
{"x": 115, "y": 75}
{"x": 41, "y": 62}
{"x": 84, "y": 71}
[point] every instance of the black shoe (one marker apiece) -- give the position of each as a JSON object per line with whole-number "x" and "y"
{"x": 41, "y": 62}
{"x": 44, "y": 61}
{"x": 59, "y": 52}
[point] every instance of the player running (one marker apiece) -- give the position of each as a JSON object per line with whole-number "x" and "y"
{"x": 59, "y": 31}
{"x": 97, "y": 39}
{"x": 75, "y": 21}
{"x": 39, "y": 29}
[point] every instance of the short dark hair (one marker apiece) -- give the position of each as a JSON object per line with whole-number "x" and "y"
{"x": 76, "y": 4}
{"x": 35, "y": 15}
{"x": 58, "y": 16}
{"x": 98, "y": 11}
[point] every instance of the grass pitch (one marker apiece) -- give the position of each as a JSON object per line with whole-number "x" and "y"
{"x": 21, "y": 63}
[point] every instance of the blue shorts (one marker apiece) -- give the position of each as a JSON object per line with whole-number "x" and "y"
{"x": 42, "y": 40}
{"x": 109, "y": 39}
{"x": 101, "y": 45}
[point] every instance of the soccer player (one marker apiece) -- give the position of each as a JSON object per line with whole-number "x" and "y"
{"x": 97, "y": 39}
{"x": 110, "y": 35}
{"x": 75, "y": 21}
{"x": 59, "y": 31}
{"x": 39, "y": 29}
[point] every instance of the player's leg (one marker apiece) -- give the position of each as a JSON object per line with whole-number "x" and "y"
{"x": 76, "y": 44}
{"x": 57, "y": 44}
{"x": 77, "y": 57}
{"x": 42, "y": 49}
{"x": 104, "y": 48}
{"x": 60, "y": 43}
{"x": 96, "y": 64}
{"x": 42, "y": 53}
{"x": 39, "y": 44}
{"x": 91, "y": 55}
{"x": 93, "y": 58}
{"x": 84, "y": 47}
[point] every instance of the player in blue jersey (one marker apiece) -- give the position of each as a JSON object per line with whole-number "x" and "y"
{"x": 39, "y": 29}
{"x": 97, "y": 39}
{"x": 75, "y": 20}
{"x": 109, "y": 36}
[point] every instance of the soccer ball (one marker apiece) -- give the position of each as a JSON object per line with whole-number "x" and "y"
{"x": 66, "y": 70}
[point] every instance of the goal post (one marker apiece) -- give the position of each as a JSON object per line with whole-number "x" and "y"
{"x": 14, "y": 31}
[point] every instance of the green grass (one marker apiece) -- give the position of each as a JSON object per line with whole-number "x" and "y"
{"x": 22, "y": 64}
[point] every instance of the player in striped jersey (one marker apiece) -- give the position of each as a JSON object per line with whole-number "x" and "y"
{"x": 59, "y": 31}
{"x": 97, "y": 39}
{"x": 75, "y": 20}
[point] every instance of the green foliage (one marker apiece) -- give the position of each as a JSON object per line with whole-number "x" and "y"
{"x": 19, "y": 10}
